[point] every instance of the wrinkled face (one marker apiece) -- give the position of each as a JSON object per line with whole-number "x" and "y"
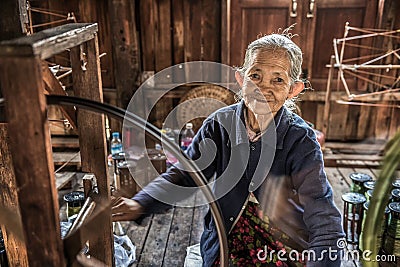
{"x": 266, "y": 82}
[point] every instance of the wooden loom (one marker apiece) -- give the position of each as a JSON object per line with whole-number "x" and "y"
{"x": 31, "y": 199}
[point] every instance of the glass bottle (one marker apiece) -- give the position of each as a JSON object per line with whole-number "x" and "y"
{"x": 187, "y": 136}
{"x": 116, "y": 144}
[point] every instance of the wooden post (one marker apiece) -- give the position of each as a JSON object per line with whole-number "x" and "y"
{"x": 125, "y": 49}
{"x": 12, "y": 227}
{"x": 22, "y": 84}
{"x": 12, "y": 25}
{"x": 85, "y": 64}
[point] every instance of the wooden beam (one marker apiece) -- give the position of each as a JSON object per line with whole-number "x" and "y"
{"x": 12, "y": 228}
{"x": 87, "y": 84}
{"x": 53, "y": 86}
{"x": 22, "y": 84}
{"x": 49, "y": 42}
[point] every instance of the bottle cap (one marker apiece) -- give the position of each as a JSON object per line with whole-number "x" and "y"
{"x": 115, "y": 134}
{"x": 189, "y": 125}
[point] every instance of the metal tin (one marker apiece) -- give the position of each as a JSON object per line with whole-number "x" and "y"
{"x": 74, "y": 202}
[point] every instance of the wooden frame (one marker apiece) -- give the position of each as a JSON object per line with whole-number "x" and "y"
{"x": 30, "y": 145}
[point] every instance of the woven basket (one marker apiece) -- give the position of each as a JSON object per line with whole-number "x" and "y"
{"x": 201, "y": 104}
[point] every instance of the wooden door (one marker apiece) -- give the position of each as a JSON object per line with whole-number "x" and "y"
{"x": 318, "y": 22}
{"x": 328, "y": 22}
{"x": 253, "y": 18}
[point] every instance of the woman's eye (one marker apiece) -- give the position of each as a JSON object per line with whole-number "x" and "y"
{"x": 254, "y": 76}
{"x": 279, "y": 80}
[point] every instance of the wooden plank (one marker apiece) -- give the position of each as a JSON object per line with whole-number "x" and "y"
{"x": 179, "y": 235}
{"x": 357, "y": 147}
{"x": 351, "y": 129}
{"x": 63, "y": 178}
{"x": 308, "y": 111}
{"x": 125, "y": 44}
{"x": 225, "y": 32}
{"x": 319, "y": 122}
{"x": 87, "y": 84}
{"x": 53, "y": 86}
{"x": 346, "y": 171}
{"x": 101, "y": 13}
{"x": 49, "y": 42}
{"x": 211, "y": 36}
{"x": 178, "y": 46}
{"x": 22, "y": 84}
{"x": 148, "y": 32}
{"x": 73, "y": 158}
{"x": 382, "y": 124}
{"x": 364, "y": 122}
{"x": 138, "y": 235}
{"x": 353, "y": 157}
{"x": 337, "y": 121}
{"x": 64, "y": 142}
{"x": 193, "y": 38}
{"x": 198, "y": 222}
{"x": 156, "y": 241}
{"x": 163, "y": 44}
{"x": 15, "y": 247}
{"x": 394, "y": 122}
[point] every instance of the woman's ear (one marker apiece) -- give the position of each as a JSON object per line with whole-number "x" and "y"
{"x": 295, "y": 89}
{"x": 239, "y": 78}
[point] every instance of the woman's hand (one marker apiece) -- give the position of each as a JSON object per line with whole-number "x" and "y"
{"x": 125, "y": 209}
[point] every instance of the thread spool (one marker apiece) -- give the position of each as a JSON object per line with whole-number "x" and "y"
{"x": 395, "y": 195}
{"x": 352, "y": 216}
{"x": 396, "y": 183}
{"x": 384, "y": 225}
{"x": 368, "y": 185}
{"x": 368, "y": 194}
{"x": 359, "y": 179}
{"x": 392, "y": 237}
{"x": 3, "y": 254}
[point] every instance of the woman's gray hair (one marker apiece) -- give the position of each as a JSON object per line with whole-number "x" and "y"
{"x": 277, "y": 41}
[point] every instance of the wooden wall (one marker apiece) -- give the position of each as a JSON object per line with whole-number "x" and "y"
{"x": 151, "y": 35}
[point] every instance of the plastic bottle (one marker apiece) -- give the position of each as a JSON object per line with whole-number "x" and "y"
{"x": 116, "y": 144}
{"x": 187, "y": 136}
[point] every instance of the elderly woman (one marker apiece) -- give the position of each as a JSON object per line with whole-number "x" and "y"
{"x": 281, "y": 202}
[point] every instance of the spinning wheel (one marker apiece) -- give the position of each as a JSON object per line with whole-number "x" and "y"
{"x": 376, "y": 65}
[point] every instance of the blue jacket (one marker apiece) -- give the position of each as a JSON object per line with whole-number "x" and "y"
{"x": 284, "y": 170}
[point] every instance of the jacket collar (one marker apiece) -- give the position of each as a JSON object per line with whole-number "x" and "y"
{"x": 278, "y": 129}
